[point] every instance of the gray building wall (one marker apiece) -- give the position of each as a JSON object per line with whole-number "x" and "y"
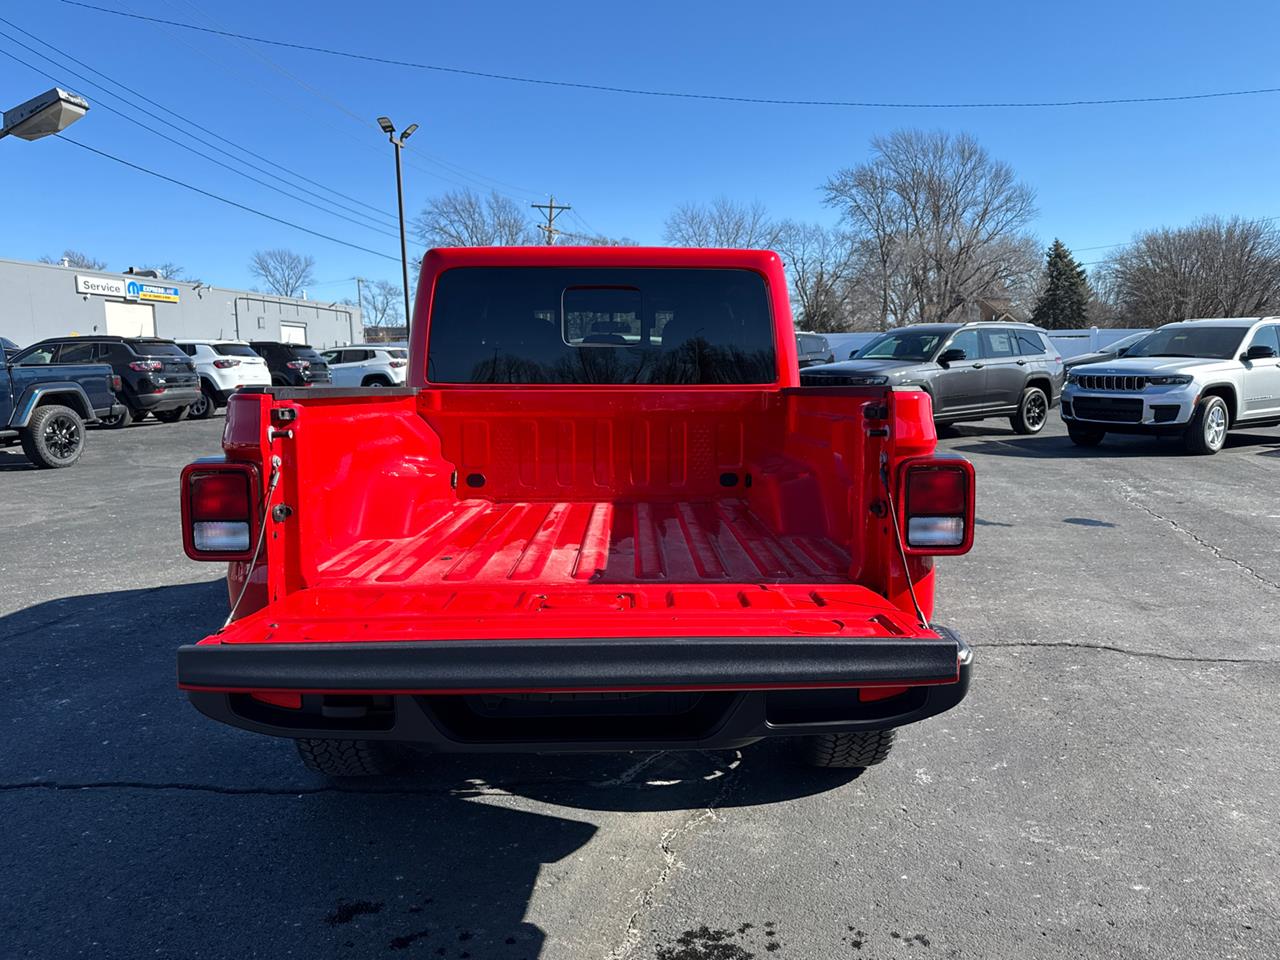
{"x": 39, "y": 300}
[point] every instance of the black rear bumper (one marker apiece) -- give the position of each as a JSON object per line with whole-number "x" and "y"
{"x": 732, "y": 691}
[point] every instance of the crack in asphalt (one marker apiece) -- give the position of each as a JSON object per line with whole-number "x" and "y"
{"x": 670, "y": 860}
{"x": 1132, "y": 497}
{"x": 1127, "y": 651}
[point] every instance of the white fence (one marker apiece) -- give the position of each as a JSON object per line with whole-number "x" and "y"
{"x": 1073, "y": 343}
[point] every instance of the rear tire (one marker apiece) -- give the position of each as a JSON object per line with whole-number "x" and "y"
{"x": 117, "y": 422}
{"x": 54, "y": 437}
{"x": 203, "y": 408}
{"x": 847, "y": 750}
{"x": 1033, "y": 412}
{"x": 1207, "y": 431}
{"x": 350, "y": 758}
{"x": 170, "y": 416}
{"x": 378, "y": 381}
{"x": 1085, "y": 436}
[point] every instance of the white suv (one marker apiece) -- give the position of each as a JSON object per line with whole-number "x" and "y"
{"x": 1196, "y": 378}
{"x": 224, "y": 367}
{"x": 368, "y": 365}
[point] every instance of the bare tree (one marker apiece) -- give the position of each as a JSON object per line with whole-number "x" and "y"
{"x": 941, "y": 221}
{"x": 74, "y": 258}
{"x": 821, "y": 267}
{"x": 1213, "y": 268}
{"x": 722, "y": 223}
{"x": 285, "y": 273}
{"x": 382, "y": 305}
{"x": 171, "y": 271}
{"x": 463, "y": 218}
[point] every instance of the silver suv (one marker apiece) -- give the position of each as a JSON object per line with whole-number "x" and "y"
{"x": 1196, "y": 378}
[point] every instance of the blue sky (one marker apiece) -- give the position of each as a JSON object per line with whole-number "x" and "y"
{"x": 1100, "y": 173}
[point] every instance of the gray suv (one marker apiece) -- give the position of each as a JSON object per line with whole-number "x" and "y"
{"x": 1196, "y": 379}
{"x": 972, "y": 371}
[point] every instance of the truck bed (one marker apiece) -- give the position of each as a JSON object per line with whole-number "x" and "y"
{"x": 575, "y": 542}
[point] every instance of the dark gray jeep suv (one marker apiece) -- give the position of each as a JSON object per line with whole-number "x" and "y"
{"x": 972, "y": 371}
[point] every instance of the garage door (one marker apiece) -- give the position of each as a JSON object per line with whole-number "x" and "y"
{"x": 293, "y": 332}
{"x": 130, "y": 319}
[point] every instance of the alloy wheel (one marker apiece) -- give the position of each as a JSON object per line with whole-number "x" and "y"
{"x": 1037, "y": 411}
{"x": 1215, "y": 426}
{"x": 62, "y": 437}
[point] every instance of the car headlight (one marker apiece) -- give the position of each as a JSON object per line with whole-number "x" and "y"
{"x": 1073, "y": 378}
{"x": 1179, "y": 380}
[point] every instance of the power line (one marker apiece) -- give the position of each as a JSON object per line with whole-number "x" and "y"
{"x": 1125, "y": 243}
{"x": 222, "y": 199}
{"x": 685, "y": 95}
{"x": 192, "y": 123}
{"x": 177, "y": 143}
{"x": 470, "y": 177}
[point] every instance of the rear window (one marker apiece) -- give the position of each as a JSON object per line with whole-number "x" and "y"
{"x": 624, "y": 325}
{"x": 149, "y": 348}
{"x": 303, "y": 352}
{"x": 398, "y": 353}
{"x": 234, "y": 350}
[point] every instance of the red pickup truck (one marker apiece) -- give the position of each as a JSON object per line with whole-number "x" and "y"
{"x": 603, "y": 515}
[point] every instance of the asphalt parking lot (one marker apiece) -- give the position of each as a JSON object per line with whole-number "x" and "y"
{"x": 1110, "y": 788}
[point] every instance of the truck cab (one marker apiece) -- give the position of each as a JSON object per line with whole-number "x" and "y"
{"x": 602, "y": 515}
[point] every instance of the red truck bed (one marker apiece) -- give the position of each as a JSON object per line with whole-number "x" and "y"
{"x": 728, "y": 542}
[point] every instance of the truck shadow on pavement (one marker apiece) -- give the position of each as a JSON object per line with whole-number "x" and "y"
{"x": 143, "y": 828}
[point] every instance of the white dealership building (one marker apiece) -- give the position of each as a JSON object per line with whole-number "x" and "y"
{"x": 39, "y": 300}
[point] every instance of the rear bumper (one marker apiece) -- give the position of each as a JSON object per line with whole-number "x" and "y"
{"x": 727, "y": 691}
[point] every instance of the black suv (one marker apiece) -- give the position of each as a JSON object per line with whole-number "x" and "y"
{"x": 156, "y": 377}
{"x": 972, "y": 371}
{"x": 813, "y": 348}
{"x": 292, "y": 364}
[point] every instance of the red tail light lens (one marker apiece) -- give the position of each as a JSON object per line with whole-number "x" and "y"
{"x": 219, "y": 510}
{"x": 226, "y": 362}
{"x": 146, "y": 366}
{"x": 398, "y": 363}
{"x": 116, "y": 383}
{"x": 298, "y": 364}
{"x": 937, "y": 506}
{"x": 220, "y": 496}
{"x": 936, "y": 490}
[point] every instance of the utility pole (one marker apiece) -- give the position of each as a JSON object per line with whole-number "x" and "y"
{"x": 360, "y": 305}
{"x": 550, "y": 211}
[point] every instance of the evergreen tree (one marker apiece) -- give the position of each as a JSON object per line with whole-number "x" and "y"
{"x": 1065, "y": 301}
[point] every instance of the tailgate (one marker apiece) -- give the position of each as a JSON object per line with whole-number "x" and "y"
{"x": 349, "y": 641}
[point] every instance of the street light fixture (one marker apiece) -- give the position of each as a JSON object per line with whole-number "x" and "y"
{"x": 51, "y": 112}
{"x": 398, "y": 142}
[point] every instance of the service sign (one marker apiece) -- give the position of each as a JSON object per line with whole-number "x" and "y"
{"x": 100, "y": 286}
{"x": 152, "y": 291}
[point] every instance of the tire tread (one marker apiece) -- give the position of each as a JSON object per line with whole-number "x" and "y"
{"x": 848, "y": 750}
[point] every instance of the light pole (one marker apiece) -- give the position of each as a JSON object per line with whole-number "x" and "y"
{"x": 398, "y": 142}
{"x": 51, "y": 112}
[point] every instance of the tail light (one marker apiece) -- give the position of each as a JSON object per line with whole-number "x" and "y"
{"x": 298, "y": 364}
{"x": 936, "y": 505}
{"x": 226, "y": 362}
{"x": 398, "y": 363}
{"x": 116, "y": 383}
{"x": 146, "y": 366}
{"x": 219, "y": 510}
